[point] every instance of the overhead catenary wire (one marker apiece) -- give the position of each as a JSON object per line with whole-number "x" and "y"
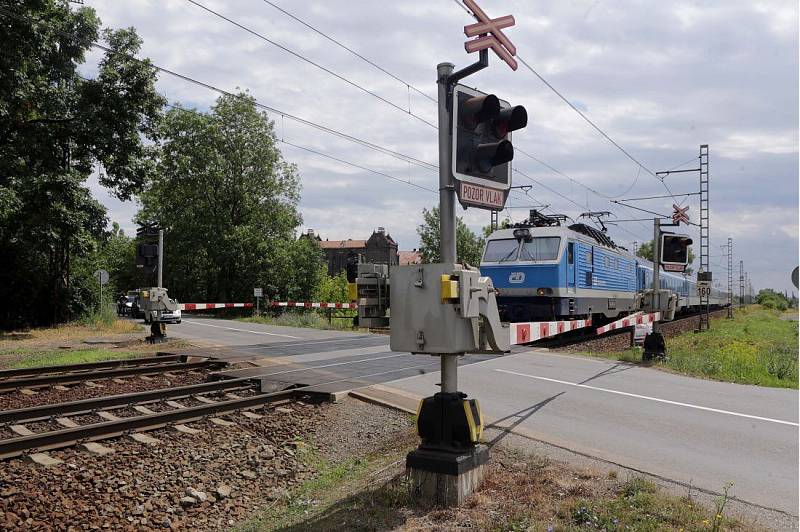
{"x": 283, "y": 114}
{"x": 579, "y": 112}
{"x": 402, "y": 156}
{"x": 328, "y": 156}
{"x": 311, "y": 62}
{"x": 355, "y": 53}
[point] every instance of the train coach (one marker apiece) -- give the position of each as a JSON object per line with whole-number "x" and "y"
{"x": 555, "y": 272}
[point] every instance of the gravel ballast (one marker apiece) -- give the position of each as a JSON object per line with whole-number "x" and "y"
{"x": 207, "y": 481}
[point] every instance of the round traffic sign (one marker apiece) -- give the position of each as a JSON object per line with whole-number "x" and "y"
{"x": 101, "y": 276}
{"x": 794, "y": 277}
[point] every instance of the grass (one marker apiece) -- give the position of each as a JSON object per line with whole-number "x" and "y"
{"x": 519, "y": 492}
{"x": 88, "y": 326}
{"x": 64, "y": 344}
{"x": 757, "y": 347}
{"x": 308, "y": 320}
{"x": 25, "y": 358}
{"x": 316, "y": 494}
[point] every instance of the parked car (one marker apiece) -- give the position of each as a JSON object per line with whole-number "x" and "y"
{"x": 125, "y": 305}
{"x": 136, "y": 310}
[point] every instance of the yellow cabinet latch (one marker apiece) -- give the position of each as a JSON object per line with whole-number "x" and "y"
{"x": 449, "y": 291}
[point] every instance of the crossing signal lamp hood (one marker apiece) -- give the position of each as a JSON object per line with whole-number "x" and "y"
{"x": 482, "y": 129}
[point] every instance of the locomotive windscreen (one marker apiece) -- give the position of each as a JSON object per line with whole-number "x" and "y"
{"x": 501, "y": 250}
{"x": 540, "y": 248}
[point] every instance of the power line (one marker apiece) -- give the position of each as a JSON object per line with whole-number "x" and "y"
{"x": 345, "y": 47}
{"x": 309, "y": 61}
{"x": 581, "y": 114}
{"x": 364, "y": 143}
{"x": 366, "y": 90}
{"x": 321, "y": 154}
{"x": 520, "y": 172}
{"x": 355, "y": 165}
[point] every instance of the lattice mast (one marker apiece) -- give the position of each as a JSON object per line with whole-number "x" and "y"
{"x": 730, "y": 278}
{"x": 704, "y": 231}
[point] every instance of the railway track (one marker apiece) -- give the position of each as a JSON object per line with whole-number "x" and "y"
{"x": 31, "y": 378}
{"x": 67, "y": 424}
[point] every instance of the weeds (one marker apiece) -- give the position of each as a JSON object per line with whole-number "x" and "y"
{"x": 720, "y": 503}
{"x": 308, "y": 320}
{"x": 62, "y": 357}
{"x": 757, "y": 347}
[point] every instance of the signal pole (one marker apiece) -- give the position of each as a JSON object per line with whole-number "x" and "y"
{"x": 447, "y": 206}
{"x": 741, "y": 283}
{"x": 161, "y": 258}
{"x": 654, "y": 345}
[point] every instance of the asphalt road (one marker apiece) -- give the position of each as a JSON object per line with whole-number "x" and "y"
{"x": 330, "y": 361}
{"x": 692, "y": 431}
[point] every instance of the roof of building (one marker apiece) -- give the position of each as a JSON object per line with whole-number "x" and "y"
{"x": 409, "y": 257}
{"x": 343, "y": 244}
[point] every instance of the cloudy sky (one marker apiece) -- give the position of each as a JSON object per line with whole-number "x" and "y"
{"x": 660, "y": 78}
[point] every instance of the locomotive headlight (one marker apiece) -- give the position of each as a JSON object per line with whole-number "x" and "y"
{"x": 541, "y": 291}
{"x": 544, "y": 291}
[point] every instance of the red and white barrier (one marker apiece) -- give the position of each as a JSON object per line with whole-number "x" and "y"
{"x": 522, "y": 333}
{"x": 310, "y": 304}
{"x": 204, "y": 306}
{"x": 630, "y": 321}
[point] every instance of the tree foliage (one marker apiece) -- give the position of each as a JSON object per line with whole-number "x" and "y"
{"x": 469, "y": 246}
{"x": 769, "y": 298}
{"x": 56, "y": 127}
{"x": 227, "y": 202}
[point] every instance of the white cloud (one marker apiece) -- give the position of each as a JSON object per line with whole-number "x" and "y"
{"x": 659, "y": 77}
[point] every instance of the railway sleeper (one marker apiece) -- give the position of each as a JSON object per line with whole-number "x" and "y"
{"x": 68, "y": 437}
{"x": 61, "y": 379}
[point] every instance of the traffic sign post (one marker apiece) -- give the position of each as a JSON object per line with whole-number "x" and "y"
{"x": 258, "y": 294}
{"x": 102, "y": 278}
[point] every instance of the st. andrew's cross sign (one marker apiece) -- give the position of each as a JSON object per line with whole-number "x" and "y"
{"x": 491, "y": 34}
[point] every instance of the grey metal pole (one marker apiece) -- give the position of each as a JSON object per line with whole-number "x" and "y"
{"x": 447, "y": 208}
{"x": 447, "y": 211}
{"x": 656, "y": 268}
{"x": 160, "y": 257}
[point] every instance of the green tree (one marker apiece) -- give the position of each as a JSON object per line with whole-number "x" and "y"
{"x": 228, "y": 204}
{"x": 56, "y": 127}
{"x": 469, "y": 246}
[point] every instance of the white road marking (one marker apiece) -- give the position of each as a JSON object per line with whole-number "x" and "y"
{"x": 687, "y": 405}
{"x": 343, "y": 339}
{"x": 333, "y": 364}
{"x": 241, "y": 330}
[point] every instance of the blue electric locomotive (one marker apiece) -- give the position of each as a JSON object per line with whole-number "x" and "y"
{"x": 554, "y": 272}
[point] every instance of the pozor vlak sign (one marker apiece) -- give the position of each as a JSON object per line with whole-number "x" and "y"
{"x": 482, "y": 151}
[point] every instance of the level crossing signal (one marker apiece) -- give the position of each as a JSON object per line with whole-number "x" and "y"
{"x": 675, "y": 251}
{"x": 147, "y": 257}
{"x": 482, "y": 149}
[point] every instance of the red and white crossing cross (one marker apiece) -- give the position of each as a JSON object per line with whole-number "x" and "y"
{"x": 491, "y": 34}
{"x": 680, "y": 214}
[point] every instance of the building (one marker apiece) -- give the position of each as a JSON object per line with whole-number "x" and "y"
{"x": 380, "y": 248}
{"x": 409, "y": 257}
